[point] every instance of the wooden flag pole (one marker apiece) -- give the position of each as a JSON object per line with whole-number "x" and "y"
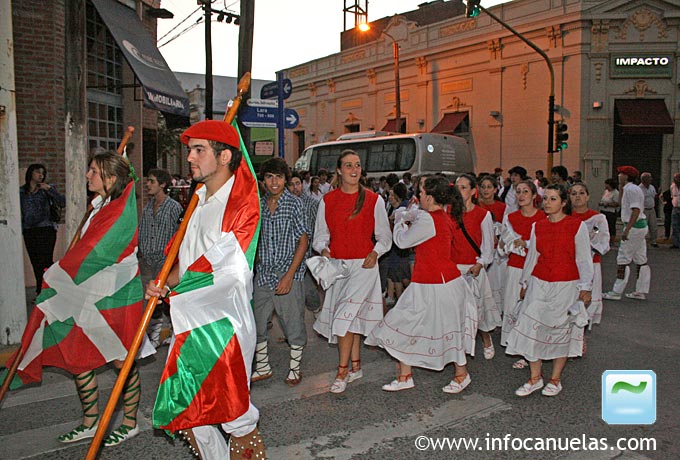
{"x": 243, "y": 85}
{"x": 12, "y": 369}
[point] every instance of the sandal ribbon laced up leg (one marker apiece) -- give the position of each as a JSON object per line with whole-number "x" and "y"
{"x": 88, "y": 392}
{"x": 130, "y": 405}
{"x": 355, "y": 373}
{"x": 341, "y": 380}
{"x": 294, "y": 374}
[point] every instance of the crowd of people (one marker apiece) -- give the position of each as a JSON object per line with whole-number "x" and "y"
{"x": 419, "y": 266}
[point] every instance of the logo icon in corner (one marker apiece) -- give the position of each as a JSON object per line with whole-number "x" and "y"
{"x": 629, "y": 397}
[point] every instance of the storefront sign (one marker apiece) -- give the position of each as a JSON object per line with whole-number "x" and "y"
{"x": 641, "y": 65}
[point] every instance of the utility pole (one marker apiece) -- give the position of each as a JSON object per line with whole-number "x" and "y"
{"x": 472, "y": 8}
{"x": 208, "y": 61}
{"x": 245, "y": 56}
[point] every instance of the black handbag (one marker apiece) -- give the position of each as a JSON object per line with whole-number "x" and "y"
{"x": 55, "y": 210}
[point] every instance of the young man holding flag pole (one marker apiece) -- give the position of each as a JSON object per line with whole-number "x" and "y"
{"x": 210, "y": 303}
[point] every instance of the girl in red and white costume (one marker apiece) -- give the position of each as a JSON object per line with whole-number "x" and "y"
{"x": 598, "y": 230}
{"x": 479, "y": 226}
{"x": 520, "y": 222}
{"x": 488, "y": 187}
{"x": 347, "y": 219}
{"x": 434, "y": 321}
{"x": 557, "y": 280}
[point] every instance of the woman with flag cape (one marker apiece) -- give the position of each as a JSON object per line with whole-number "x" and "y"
{"x": 91, "y": 302}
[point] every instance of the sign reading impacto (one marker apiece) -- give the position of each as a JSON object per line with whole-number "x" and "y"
{"x": 641, "y": 65}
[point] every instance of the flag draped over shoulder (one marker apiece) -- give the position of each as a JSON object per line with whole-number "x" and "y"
{"x": 205, "y": 380}
{"x": 91, "y": 300}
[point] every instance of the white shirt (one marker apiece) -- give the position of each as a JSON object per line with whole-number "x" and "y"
{"x": 511, "y": 201}
{"x": 632, "y": 198}
{"x": 325, "y": 188}
{"x": 205, "y": 226}
{"x": 97, "y": 204}
{"x": 650, "y": 194}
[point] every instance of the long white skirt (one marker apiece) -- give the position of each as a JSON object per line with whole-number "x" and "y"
{"x": 488, "y": 314}
{"x": 512, "y": 290}
{"x": 544, "y": 329}
{"x": 352, "y": 304}
{"x": 431, "y": 325}
{"x": 595, "y": 307}
{"x": 496, "y": 273}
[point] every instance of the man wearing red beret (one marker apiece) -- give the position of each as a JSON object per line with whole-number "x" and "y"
{"x": 633, "y": 247}
{"x": 206, "y": 379}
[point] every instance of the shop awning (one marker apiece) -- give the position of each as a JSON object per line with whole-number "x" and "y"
{"x": 449, "y": 122}
{"x": 391, "y": 125}
{"x": 160, "y": 88}
{"x": 643, "y": 116}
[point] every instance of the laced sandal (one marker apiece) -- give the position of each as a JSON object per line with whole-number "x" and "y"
{"x": 294, "y": 374}
{"x": 341, "y": 380}
{"x": 458, "y": 384}
{"x": 130, "y": 405}
{"x": 534, "y": 384}
{"x": 355, "y": 373}
{"x": 553, "y": 388}
{"x": 402, "y": 382}
{"x": 89, "y": 397}
{"x": 263, "y": 370}
{"x": 520, "y": 364}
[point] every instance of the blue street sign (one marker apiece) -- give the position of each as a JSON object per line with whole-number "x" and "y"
{"x": 268, "y": 117}
{"x": 271, "y": 90}
{"x": 259, "y": 117}
{"x": 291, "y": 118}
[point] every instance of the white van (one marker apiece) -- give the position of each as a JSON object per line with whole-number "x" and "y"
{"x": 383, "y": 153}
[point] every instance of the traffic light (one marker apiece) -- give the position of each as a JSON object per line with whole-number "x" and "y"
{"x": 561, "y": 136}
{"x": 472, "y": 8}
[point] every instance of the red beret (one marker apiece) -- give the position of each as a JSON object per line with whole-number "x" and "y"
{"x": 629, "y": 171}
{"x": 498, "y": 170}
{"x": 212, "y": 130}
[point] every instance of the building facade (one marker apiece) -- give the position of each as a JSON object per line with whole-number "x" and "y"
{"x": 615, "y": 82}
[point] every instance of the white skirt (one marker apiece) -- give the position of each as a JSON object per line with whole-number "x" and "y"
{"x": 544, "y": 329}
{"x": 512, "y": 290}
{"x": 488, "y": 315}
{"x": 595, "y": 307}
{"x": 352, "y": 304}
{"x": 431, "y": 325}
{"x": 496, "y": 273}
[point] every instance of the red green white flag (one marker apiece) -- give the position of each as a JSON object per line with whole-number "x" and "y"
{"x": 91, "y": 300}
{"x": 205, "y": 380}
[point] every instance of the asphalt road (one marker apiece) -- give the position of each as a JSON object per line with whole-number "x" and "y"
{"x": 307, "y": 422}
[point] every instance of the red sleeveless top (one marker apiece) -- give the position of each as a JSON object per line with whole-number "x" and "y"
{"x": 350, "y": 238}
{"x": 522, "y": 226}
{"x": 497, "y": 209}
{"x": 462, "y": 251}
{"x": 584, "y": 216}
{"x": 430, "y": 266}
{"x": 556, "y": 245}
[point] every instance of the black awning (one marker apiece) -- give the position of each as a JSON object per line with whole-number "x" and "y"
{"x": 161, "y": 89}
{"x": 643, "y": 116}
{"x": 449, "y": 122}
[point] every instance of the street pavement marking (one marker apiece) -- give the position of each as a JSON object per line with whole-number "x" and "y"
{"x": 31, "y": 443}
{"x": 447, "y": 415}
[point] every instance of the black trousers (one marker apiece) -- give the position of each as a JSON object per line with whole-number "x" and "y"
{"x": 40, "y": 243}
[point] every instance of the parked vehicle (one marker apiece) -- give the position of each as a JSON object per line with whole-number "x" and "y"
{"x": 384, "y": 153}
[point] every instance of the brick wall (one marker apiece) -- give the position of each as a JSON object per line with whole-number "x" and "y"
{"x": 39, "y": 79}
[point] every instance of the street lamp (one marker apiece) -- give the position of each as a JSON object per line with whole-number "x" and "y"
{"x": 364, "y": 27}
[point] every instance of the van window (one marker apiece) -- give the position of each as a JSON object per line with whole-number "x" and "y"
{"x": 385, "y": 155}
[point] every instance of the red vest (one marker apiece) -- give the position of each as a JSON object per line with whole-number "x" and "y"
{"x": 462, "y": 251}
{"x": 522, "y": 226}
{"x": 557, "y": 249}
{"x": 430, "y": 266}
{"x": 584, "y": 217}
{"x": 350, "y": 238}
{"x": 497, "y": 209}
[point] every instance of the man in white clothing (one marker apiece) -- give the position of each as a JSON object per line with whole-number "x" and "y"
{"x": 650, "y": 194}
{"x": 633, "y": 247}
